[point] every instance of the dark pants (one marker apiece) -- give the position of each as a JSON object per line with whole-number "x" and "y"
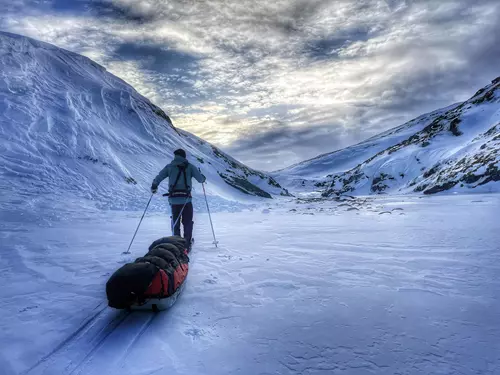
{"x": 186, "y": 218}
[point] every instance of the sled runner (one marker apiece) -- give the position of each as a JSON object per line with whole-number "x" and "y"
{"x": 159, "y": 304}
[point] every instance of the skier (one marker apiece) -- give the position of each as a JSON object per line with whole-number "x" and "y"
{"x": 179, "y": 173}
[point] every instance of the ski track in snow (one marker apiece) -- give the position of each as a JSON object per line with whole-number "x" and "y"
{"x": 308, "y": 288}
{"x": 70, "y": 338}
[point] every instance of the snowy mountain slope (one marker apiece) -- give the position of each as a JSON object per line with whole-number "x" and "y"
{"x": 326, "y": 165}
{"x": 455, "y": 147}
{"x": 70, "y": 128}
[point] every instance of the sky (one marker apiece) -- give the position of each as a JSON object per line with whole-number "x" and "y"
{"x": 276, "y": 82}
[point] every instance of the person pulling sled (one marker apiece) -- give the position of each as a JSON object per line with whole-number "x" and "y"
{"x": 180, "y": 173}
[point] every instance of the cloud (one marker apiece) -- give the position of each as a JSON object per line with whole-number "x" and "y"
{"x": 307, "y": 75}
{"x": 294, "y": 144}
{"x": 178, "y": 70}
{"x": 122, "y": 11}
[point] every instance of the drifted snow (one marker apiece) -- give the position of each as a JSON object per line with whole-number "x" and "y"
{"x": 373, "y": 286}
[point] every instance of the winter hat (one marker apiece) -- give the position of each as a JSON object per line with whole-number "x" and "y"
{"x": 180, "y": 152}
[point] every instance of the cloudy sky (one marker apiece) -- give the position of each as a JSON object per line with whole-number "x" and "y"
{"x": 276, "y": 82}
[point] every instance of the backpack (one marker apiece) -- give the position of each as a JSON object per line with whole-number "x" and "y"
{"x": 185, "y": 192}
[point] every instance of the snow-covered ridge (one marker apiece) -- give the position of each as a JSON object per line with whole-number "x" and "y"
{"x": 70, "y": 128}
{"x": 457, "y": 147}
{"x": 325, "y": 165}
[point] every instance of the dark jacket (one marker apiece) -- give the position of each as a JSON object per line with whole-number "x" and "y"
{"x": 171, "y": 171}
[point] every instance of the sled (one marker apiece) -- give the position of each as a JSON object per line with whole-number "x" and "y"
{"x": 152, "y": 282}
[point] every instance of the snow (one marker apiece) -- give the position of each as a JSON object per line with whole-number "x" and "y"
{"x": 392, "y": 285}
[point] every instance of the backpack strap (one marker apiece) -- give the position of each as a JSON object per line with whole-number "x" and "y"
{"x": 181, "y": 170}
{"x": 185, "y": 178}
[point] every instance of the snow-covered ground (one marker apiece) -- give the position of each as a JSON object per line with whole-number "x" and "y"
{"x": 387, "y": 285}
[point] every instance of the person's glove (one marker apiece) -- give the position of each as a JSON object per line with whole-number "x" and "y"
{"x": 154, "y": 188}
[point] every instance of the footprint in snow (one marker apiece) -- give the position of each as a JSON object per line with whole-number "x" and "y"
{"x": 210, "y": 281}
{"x": 353, "y": 209}
{"x": 195, "y": 333}
{"x": 397, "y": 209}
{"x": 385, "y": 212}
{"x": 28, "y": 308}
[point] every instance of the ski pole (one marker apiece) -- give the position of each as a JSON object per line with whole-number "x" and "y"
{"x": 128, "y": 250}
{"x": 210, "y": 216}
